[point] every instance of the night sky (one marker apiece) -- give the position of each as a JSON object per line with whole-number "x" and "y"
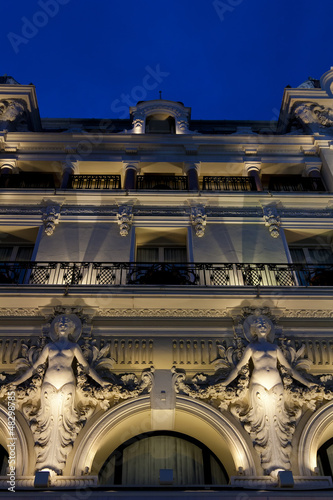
{"x": 228, "y": 59}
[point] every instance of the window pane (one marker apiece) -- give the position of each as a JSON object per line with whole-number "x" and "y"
{"x": 24, "y": 253}
{"x": 147, "y": 254}
{"x": 297, "y": 255}
{"x": 320, "y": 255}
{"x": 143, "y": 460}
{"x": 175, "y": 254}
{"x": 5, "y": 254}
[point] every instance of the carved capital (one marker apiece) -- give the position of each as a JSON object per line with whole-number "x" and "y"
{"x": 125, "y": 219}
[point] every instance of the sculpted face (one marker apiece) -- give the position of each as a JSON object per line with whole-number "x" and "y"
{"x": 261, "y": 327}
{"x": 64, "y": 327}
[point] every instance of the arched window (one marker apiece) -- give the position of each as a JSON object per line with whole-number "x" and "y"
{"x": 160, "y": 124}
{"x": 138, "y": 461}
{"x": 325, "y": 458}
{"x": 3, "y": 461}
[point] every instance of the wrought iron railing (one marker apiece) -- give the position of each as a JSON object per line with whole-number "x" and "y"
{"x": 163, "y": 182}
{"x": 94, "y": 182}
{"x": 24, "y": 180}
{"x": 295, "y": 183}
{"x": 163, "y": 274}
{"x": 235, "y": 183}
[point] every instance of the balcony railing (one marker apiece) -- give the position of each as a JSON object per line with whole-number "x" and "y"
{"x": 164, "y": 274}
{"x": 24, "y": 180}
{"x": 219, "y": 183}
{"x": 163, "y": 182}
{"x": 94, "y": 182}
{"x": 295, "y": 183}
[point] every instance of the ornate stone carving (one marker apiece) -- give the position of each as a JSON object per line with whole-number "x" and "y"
{"x": 198, "y": 219}
{"x": 47, "y": 402}
{"x": 125, "y": 219}
{"x": 267, "y": 402}
{"x": 272, "y": 220}
{"x": 160, "y": 312}
{"x": 51, "y": 216}
{"x": 13, "y": 115}
{"x": 314, "y": 117}
{"x": 19, "y": 311}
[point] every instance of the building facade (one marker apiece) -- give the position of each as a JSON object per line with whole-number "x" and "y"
{"x": 166, "y": 299}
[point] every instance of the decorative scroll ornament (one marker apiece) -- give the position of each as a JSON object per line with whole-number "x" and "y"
{"x": 58, "y": 400}
{"x": 272, "y": 220}
{"x": 267, "y": 402}
{"x": 314, "y": 117}
{"x": 51, "y": 216}
{"x": 13, "y": 115}
{"x": 125, "y": 219}
{"x": 198, "y": 219}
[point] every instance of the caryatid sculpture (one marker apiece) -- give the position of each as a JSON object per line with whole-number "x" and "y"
{"x": 267, "y": 419}
{"x": 57, "y": 423}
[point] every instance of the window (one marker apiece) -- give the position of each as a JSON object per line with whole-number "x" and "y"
{"x": 325, "y": 458}
{"x": 17, "y": 245}
{"x": 138, "y": 461}
{"x": 161, "y": 256}
{"x": 3, "y": 461}
{"x": 161, "y": 245}
{"x": 313, "y": 257}
{"x": 160, "y": 123}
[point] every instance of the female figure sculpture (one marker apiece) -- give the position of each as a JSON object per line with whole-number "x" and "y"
{"x": 268, "y": 420}
{"x": 57, "y": 423}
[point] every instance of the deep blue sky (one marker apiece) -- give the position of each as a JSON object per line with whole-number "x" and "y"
{"x": 227, "y": 65}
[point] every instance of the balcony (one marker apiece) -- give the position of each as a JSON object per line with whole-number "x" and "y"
{"x": 220, "y": 183}
{"x": 162, "y": 182}
{"x": 165, "y": 274}
{"x": 295, "y": 183}
{"x": 27, "y": 180}
{"x": 94, "y": 182}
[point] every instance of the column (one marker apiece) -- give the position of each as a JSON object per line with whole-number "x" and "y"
{"x": 192, "y": 170}
{"x": 131, "y": 170}
{"x": 7, "y": 168}
{"x": 68, "y": 169}
{"x": 312, "y": 170}
{"x": 253, "y": 170}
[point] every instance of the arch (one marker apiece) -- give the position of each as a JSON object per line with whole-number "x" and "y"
{"x": 316, "y": 432}
{"x": 22, "y": 455}
{"x": 219, "y": 432}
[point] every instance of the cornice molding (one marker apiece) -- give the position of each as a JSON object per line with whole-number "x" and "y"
{"x": 161, "y": 312}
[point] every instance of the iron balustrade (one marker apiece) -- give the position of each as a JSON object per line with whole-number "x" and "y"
{"x": 295, "y": 183}
{"x": 27, "y": 180}
{"x": 163, "y": 182}
{"x": 165, "y": 274}
{"x": 224, "y": 183}
{"x": 94, "y": 182}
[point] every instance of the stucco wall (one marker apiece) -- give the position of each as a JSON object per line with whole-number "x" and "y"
{"x": 238, "y": 243}
{"x": 84, "y": 242}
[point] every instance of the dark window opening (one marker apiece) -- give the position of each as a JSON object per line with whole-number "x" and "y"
{"x": 139, "y": 461}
